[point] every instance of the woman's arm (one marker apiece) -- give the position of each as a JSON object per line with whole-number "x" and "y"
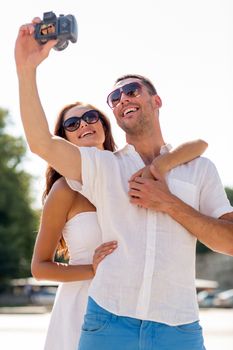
{"x": 53, "y": 219}
{"x": 180, "y": 155}
{"x": 62, "y": 155}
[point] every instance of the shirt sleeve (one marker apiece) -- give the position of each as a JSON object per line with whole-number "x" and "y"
{"x": 213, "y": 198}
{"x": 97, "y": 167}
{"x": 90, "y": 164}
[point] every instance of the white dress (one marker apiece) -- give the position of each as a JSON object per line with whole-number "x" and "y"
{"x": 82, "y": 235}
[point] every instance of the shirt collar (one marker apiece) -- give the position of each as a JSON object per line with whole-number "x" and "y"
{"x": 130, "y": 149}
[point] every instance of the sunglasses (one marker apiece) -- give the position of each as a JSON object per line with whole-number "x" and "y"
{"x": 73, "y": 123}
{"x": 132, "y": 90}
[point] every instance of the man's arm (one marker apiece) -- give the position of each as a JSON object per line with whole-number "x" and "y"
{"x": 59, "y": 153}
{"x": 217, "y": 234}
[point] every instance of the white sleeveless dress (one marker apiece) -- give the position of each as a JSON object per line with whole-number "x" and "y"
{"x": 82, "y": 235}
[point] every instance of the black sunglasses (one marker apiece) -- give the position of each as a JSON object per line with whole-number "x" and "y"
{"x": 90, "y": 117}
{"x": 132, "y": 90}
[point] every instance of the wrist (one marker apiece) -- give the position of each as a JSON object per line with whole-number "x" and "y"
{"x": 26, "y": 72}
{"x": 172, "y": 206}
{"x": 93, "y": 269}
{"x": 162, "y": 163}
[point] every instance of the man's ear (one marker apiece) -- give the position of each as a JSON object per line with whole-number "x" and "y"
{"x": 157, "y": 101}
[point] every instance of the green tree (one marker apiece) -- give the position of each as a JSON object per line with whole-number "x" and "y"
{"x": 201, "y": 248}
{"x": 229, "y": 192}
{"x": 18, "y": 221}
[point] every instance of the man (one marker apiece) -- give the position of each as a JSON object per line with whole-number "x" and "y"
{"x": 143, "y": 295}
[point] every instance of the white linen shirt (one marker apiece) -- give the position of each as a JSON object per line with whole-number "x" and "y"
{"x": 151, "y": 275}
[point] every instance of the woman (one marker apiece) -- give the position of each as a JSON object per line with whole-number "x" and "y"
{"x": 71, "y": 215}
{"x": 70, "y": 218}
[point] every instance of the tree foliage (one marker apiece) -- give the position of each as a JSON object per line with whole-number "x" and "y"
{"x": 229, "y": 192}
{"x": 18, "y": 221}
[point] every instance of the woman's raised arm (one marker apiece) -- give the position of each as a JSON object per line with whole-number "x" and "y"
{"x": 59, "y": 153}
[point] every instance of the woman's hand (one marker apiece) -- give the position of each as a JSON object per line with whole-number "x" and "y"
{"x": 160, "y": 163}
{"x": 28, "y": 52}
{"x": 144, "y": 173}
{"x": 102, "y": 251}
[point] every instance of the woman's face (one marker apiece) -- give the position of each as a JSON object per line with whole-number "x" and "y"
{"x": 87, "y": 135}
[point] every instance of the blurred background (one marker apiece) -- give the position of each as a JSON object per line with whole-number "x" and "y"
{"x": 186, "y": 49}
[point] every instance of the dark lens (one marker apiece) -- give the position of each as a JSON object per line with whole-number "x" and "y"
{"x": 91, "y": 117}
{"x": 114, "y": 98}
{"x": 132, "y": 89}
{"x": 72, "y": 124}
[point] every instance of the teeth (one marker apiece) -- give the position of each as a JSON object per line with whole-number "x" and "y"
{"x": 128, "y": 110}
{"x": 86, "y": 133}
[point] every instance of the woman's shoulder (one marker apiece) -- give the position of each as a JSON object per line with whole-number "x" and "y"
{"x": 61, "y": 191}
{"x": 62, "y": 195}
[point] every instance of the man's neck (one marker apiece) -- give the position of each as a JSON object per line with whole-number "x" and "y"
{"x": 148, "y": 148}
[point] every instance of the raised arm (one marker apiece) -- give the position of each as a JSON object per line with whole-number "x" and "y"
{"x": 59, "y": 153}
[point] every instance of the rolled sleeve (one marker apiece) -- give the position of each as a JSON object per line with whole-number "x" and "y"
{"x": 213, "y": 198}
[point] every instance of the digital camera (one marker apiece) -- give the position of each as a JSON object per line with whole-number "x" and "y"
{"x": 62, "y": 28}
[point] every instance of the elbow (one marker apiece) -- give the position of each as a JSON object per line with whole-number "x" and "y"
{"x": 34, "y": 148}
{"x": 36, "y": 271}
{"x": 41, "y": 145}
{"x": 203, "y": 144}
{"x": 39, "y": 149}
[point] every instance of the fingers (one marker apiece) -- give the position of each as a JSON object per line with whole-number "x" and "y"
{"x": 36, "y": 20}
{"x": 137, "y": 174}
{"x": 102, "y": 251}
{"x": 105, "y": 247}
{"x": 48, "y": 46}
{"x": 27, "y": 29}
{"x": 137, "y": 181}
{"x": 136, "y": 201}
{"x": 135, "y": 194}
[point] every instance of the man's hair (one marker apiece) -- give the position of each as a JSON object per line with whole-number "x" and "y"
{"x": 145, "y": 81}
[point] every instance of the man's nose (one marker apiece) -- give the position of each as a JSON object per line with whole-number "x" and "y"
{"x": 123, "y": 98}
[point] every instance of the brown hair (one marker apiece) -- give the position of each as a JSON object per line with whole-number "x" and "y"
{"x": 52, "y": 175}
{"x": 145, "y": 81}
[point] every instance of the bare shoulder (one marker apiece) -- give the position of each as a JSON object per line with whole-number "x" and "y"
{"x": 63, "y": 197}
{"x": 61, "y": 193}
{"x": 61, "y": 186}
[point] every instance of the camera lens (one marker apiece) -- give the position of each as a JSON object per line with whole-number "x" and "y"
{"x": 61, "y": 45}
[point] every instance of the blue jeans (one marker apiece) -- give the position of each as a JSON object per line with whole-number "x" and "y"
{"x": 103, "y": 330}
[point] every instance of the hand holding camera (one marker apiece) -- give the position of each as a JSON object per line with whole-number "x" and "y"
{"x": 62, "y": 28}
{"x": 36, "y": 39}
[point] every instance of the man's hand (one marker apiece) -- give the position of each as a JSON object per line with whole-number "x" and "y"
{"x": 151, "y": 194}
{"x": 144, "y": 173}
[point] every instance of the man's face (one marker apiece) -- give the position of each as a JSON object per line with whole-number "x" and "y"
{"x": 135, "y": 112}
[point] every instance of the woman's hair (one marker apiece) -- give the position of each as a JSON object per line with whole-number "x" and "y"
{"x": 52, "y": 175}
